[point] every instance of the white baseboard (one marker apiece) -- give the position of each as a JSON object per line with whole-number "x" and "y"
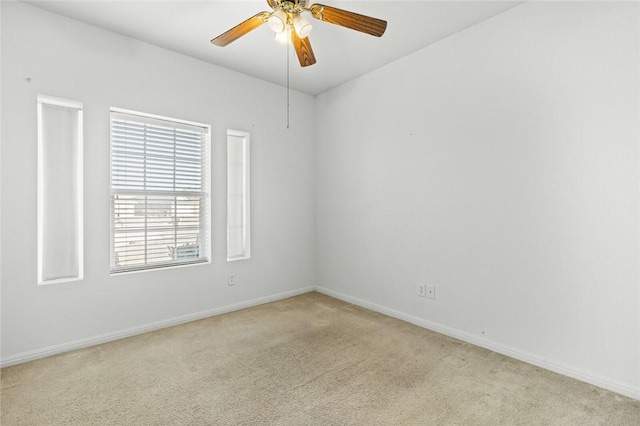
{"x": 557, "y": 367}
{"x": 109, "y": 337}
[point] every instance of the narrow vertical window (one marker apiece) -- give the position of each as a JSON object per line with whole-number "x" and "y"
{"x": 159, "y": 192}
{"x": 60, "y": 216}
{"x": 238, "y": 220}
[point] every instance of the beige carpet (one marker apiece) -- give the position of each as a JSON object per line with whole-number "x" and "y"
{"x": 308, "y": 360}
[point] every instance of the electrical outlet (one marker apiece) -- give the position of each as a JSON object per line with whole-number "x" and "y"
{"x": 422, "y": 290}
{"x": 431, "y": 292}
{"x": 232, "y": 279}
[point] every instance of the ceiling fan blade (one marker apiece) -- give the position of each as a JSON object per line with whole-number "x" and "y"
{"x": 303, "y": 49}
{"x": 355, "y": 21}
{"x": 241, "y": 29}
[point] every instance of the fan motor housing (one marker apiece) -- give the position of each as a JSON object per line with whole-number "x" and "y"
{"x": 289, "y": 6}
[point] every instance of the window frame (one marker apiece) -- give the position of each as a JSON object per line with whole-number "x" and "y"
{"x": 245, "y": 195}
{"x": 205, "y": 218}
{"x": 78, "y": 208}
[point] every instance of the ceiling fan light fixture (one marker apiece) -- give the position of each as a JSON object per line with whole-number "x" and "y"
{"x": 278, "y": 21}
{"x": 284, "y": 37}
{"x": 284, "y": 19}
{"x": 302, "y": 26}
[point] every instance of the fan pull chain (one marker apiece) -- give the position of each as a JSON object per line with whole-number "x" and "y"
{"x": 288, "y": 54}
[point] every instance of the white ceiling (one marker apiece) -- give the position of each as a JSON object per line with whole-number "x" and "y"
{"x": 342, "y": 54}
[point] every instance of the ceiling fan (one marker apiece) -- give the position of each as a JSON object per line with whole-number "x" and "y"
{"x": 290, "y": 26}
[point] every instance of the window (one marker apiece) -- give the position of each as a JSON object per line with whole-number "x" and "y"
{"x": 60, "y": 240}
{"x": 159, "y": 192}
{"x": 238, "y": 229}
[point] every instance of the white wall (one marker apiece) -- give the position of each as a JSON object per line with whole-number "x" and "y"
{"x": 68, "y": 59}
{"x": 501, "y": 166}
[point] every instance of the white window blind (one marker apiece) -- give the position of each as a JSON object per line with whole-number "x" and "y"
{"x": 159, "y": 192}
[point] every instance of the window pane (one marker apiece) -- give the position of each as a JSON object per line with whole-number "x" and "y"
{"x": 60, "y": 190}
{"x": 159, "y": 199}
{"x": 238, "y": 229}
